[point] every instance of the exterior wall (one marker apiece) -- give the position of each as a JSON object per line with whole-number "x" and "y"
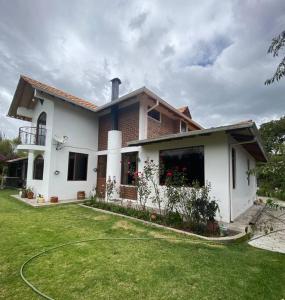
{"x": 216, "y": 156}
{"x": 243, "y": 196}
{"x": 165, "y": 126}
{"x": 41, "y": 186}
{"x": 81, "y": 128}
{"x": 128, "y": 192}
{"x": 128, "y": 123}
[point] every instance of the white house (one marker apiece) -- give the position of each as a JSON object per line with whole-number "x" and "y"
{"x": 74, "y": 145}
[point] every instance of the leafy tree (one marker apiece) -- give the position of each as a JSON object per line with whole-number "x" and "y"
{"x": 273, "y": 135}
{"x": 271, "y": 176}
{"x": 277, "y": 44}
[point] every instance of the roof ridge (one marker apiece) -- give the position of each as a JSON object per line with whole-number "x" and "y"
{"x": 58, "y": 92}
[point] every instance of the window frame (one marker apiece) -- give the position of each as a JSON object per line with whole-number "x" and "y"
{"x": 154, "y": 110}
{"x": 186, "y": 127}
{"x": 234, "y": 171}
{"x": 74, "y": 178}
{"x": 39, "y": 156}
{"x": 122, "y": 166}
{"x": 248, "y": 171}
{"x": 182, "y": 148}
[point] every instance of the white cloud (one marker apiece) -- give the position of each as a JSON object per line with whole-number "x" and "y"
{"x": 210, "y": 55}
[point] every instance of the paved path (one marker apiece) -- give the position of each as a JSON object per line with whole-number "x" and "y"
{"x": 273, "y": 221}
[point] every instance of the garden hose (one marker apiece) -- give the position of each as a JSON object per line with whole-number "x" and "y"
{"x": 38, "y": 292}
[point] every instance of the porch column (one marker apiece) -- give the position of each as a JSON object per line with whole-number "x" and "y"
{"x": 114, "y": 157}
{"x": 30, "y": 168}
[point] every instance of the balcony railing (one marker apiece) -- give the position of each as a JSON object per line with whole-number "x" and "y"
{"x": 32, "y": 135}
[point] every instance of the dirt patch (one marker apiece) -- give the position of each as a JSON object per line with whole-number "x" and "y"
{"x": 102, "y": 218}
{"x": 127, "y": 226}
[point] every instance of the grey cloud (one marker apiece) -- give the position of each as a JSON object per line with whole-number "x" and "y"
{"x": 208, "y": 55}
{"x": 138, "y": 21}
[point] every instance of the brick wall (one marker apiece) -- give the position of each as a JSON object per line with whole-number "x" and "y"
{"x": 128, "y": 123}
{"x": 128, "y": 192}
{"x": 166, "y": 126}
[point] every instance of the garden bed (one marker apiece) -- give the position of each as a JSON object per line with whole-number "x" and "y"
{"x": 150, "y": 215}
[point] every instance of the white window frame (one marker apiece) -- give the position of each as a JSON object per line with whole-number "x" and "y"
{"x": 181, "y": 121}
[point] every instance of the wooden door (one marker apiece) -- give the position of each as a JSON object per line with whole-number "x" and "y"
{"x": 101, "y": 175}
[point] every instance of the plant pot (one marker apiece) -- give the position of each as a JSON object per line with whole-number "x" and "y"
{"x": 23, "y": 194}
{"x": 153, "y": 217}
{"x": 30, "y": 195}
{"x": 212, "y": 226}
{"x": 80, "y": 195}
{"x": 40, "y": 200}
{"x": 54, "y": 199}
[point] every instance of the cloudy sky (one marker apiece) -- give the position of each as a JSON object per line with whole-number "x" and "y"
{"x": 209, "y": 55}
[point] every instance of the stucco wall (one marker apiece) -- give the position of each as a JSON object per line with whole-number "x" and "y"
{"x": 81, "y": 128}
{"x": 41, "y": 186}
{"x": 216, "y": 157}
{"x": 243, "y": 195}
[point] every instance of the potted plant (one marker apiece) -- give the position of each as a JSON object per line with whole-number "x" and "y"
{"x": 54, "y": 199}
{"x": 40, "y": 199}
{"x": 23, "y": 193}
{"x": 30, "y": 193}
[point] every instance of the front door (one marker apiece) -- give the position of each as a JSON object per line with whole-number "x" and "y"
{"x": 101, "y": 175}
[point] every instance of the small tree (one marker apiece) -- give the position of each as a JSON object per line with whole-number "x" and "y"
{"x": 143, "y": 188}
{"x": 110, "y": 188}
{"x": 151, "y": 173}
{"x": 277, "y": 44}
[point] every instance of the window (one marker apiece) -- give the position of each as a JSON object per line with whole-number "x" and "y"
{"x": 234, "y": 167}
{"x": 77, "y": 166}
{"x": 154, "y": 114}
{"x": 41, "y": 129}
{"x": 183, "y": 126}
{"x": 129, "y": 166}
{"x": 187, "y": 160}
{"x": 248, "y": 172}
{"x": 38, "y": 168}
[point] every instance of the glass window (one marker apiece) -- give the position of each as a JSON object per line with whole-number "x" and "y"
{"x": 77, "y": 166}
{"x": 188, "y": 160}
{"x": 38, "y": 168}
{"x": 129, "y": 166}
{"x": 183, "y": 126}
{"x": 234, "y": 167}
{"x": 41, "y": 129}
{"x": 155, "y": 114}
{"x": 248, "y": 172}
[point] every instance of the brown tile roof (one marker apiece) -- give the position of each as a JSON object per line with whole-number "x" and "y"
{"x": 58, "y": 93}
{"x": 185, "y": 110}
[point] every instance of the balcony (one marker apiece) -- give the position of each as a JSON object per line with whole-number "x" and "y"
{"x": 32, "y": 138}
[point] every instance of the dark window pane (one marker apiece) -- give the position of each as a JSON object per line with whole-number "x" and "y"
{"x": 129, "y": 166}
{"x": 155, "y": 114}
{"x": 234, "y": 167}
{"x": 77, "y": 166}
{"x": 187, "y": 160}
{"x": 38, "y": 168}
{"x": 183, "y": 126}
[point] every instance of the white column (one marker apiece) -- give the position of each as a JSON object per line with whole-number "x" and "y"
{"x": 30, "y": 168}
{"x": 114, "y": 157}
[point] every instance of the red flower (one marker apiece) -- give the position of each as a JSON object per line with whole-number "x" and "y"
{"x": 129, "y": 162}
{"x": 136, "y": 174}
{"x": 169, "y": 174}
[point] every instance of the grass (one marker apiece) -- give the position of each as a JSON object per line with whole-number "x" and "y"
{"x": 159, "y": 269}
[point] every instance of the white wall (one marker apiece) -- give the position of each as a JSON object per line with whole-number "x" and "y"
{"x": 81, "y": 128}
{"x": 216, "y": 157}
{"x": 41, "y": 186}
{"x": 243, "y": 195}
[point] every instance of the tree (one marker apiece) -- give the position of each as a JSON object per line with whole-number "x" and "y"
{"x": 271, "y": 176}
{"x": 277, "y": 44}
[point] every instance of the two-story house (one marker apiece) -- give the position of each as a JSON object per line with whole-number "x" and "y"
{"x": 74, "y": 145}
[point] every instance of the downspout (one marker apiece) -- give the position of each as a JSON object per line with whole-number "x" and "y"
{"x": 230, "y": 169}
{"x": 154, "y": 106}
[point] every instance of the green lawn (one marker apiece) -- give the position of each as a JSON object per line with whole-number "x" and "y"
{"x": 158, "y": 269}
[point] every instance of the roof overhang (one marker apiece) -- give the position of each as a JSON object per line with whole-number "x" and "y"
{"x": 245, "y": 134}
